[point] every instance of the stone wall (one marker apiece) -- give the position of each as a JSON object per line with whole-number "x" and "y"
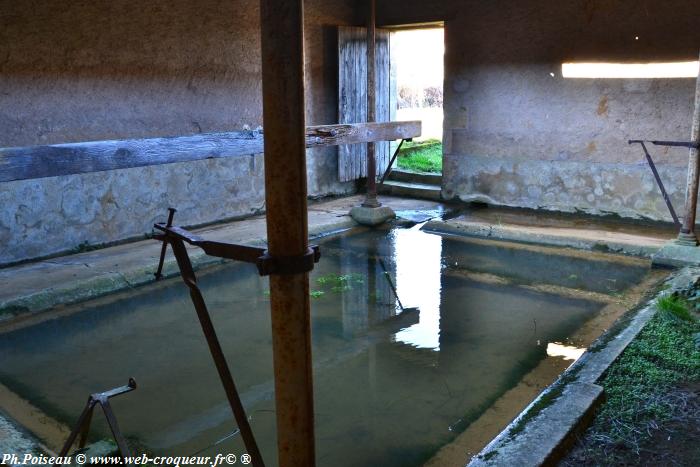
{"x": 517, "y": 133}
{"x": 84, "y": 70}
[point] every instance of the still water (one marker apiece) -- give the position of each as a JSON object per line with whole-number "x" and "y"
{"x": 391, "y": 386}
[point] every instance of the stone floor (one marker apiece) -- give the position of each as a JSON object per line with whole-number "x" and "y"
{"x": 14, "y": 441}
{"x": 573, "y": 230}
{"x": 36, "y": 286}
{"x": 40, "y": 285}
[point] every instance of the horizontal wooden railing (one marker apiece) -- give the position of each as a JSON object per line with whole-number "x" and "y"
{"x": 54, "y": 160}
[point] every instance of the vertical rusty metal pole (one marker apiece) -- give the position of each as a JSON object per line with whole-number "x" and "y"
{"x": 371, "y": 198}
{"x": 687, "y": 234}
{"x": 282, "y": 30}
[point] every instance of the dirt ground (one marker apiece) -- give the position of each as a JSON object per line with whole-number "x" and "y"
{"x": 673, "y": 443}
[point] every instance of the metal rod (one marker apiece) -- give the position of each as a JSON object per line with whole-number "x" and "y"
{"x": 85, "y": 431}
{"x": 371, "y": 197}
{"x": 687, "y": 234}
{"x": 681, "y": 144}
{"x": 114, "y": 427}
{"x": 190, "y": 279}
{"x": 282, "y": 39}
{"x": 391, "y": 283}
{"x": 391, "y": 162}
{"x": 661, "y": 185}
{"x": 164, "y": 247}
{"x": 85, "y": 415}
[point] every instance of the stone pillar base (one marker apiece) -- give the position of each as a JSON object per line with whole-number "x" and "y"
{"x": 372, "y": 216}
{"x": 687, "y": 239}
{"x": 675, "y": 255}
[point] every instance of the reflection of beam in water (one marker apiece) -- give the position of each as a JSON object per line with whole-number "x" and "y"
{"x": 545, "y": 250}
{"x": 608, "y": 274}
{"x": 562, "y": 291}
{"x": 219, "y": 414}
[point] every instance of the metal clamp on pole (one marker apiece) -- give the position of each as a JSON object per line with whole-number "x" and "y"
{"x": 285, "y": 265}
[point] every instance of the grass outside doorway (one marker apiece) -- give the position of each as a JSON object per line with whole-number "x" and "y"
{"x": 421, "y": 156}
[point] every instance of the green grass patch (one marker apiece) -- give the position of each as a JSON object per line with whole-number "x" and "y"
{"x": 639, "y": 386}
{"x": 421, "y": 156}
{"x": 675, "y": 306}
{"x": 663, "y": 355}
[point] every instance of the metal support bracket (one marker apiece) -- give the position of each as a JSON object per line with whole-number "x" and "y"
{"x": 266, "y": 263}
{"x": 393, "y": 158}
{"x": 652, "y": 166}
{"x": 682, "y": 144}
{"x": 82, "y": 428}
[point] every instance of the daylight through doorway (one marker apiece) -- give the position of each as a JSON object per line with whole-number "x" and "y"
{"x": 417, "y": 59}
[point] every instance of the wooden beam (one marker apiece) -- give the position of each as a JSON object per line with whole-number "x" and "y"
{"x": 354, "y": 133}
{"x": 55, "y": 160}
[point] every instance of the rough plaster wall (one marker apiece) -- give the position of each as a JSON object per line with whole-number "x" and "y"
{"x": 515, "y": 135}
{"x": 525, "y": 138}
{"x": 84, "y": 70}
{"x": 93, "y": 70}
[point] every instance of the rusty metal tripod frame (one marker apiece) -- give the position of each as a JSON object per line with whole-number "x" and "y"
{"x": 177, "y": 237}
{"x": 82, "y": 428}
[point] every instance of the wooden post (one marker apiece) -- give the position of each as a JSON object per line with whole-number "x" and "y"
{"x": 371, "y": 200}
{"x": 687, "y": 234}
{"x": 282, "y": 31}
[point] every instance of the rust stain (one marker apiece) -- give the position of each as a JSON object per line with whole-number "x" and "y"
{"x": 603, "y": 106}
{"x": 591, "y": 148}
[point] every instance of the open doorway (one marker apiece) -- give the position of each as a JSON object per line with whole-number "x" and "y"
{"x": 417, "y": 74}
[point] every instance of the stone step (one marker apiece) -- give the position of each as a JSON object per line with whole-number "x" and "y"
{"x": 414, "y": 190}
{"x": 408, "y": 176}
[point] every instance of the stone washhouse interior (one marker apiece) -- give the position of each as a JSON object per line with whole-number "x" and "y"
{"x": 349, "y": 233}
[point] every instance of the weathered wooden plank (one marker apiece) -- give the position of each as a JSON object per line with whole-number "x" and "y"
{"x": 97, "y": 156}
{"x": 354, "y": 133}
{"x": 382, "y": 97}
{"x": 352, "y": 96}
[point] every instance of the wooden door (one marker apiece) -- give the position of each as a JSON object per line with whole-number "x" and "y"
{"x": 352, "y": 97}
